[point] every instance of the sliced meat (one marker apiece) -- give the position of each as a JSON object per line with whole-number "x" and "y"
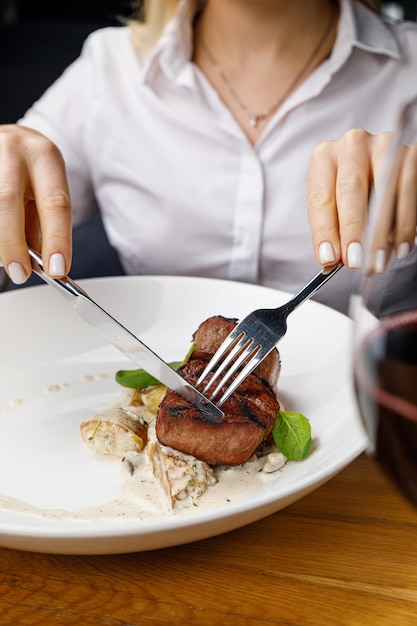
{"x": 250, "y": 414}
{"x": 211, "y": 333}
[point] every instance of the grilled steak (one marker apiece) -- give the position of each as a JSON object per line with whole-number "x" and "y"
{"x": 250, "y": 414}
{"x": 211, "y": 333}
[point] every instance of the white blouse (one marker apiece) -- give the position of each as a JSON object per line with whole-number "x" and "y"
{"x": 181, "y": 190}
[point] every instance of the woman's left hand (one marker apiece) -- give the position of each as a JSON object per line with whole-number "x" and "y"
{"x": 340, "y": 178}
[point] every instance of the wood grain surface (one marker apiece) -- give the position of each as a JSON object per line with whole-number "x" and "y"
{"x": 344, "y": 555}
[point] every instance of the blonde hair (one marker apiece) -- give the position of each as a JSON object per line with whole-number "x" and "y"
{"x": 149, "y": 18}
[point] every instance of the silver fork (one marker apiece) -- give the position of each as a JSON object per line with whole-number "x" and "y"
{"x": 252, "y": 340}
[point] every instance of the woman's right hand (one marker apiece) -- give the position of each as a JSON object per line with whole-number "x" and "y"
{"x": 35, "y": 205}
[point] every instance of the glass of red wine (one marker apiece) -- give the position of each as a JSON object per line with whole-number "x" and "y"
{"x": 385, "y": 360}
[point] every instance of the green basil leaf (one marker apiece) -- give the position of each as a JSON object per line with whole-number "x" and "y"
{"x": 139, "y": 379}
{"x": 292, "y": 435}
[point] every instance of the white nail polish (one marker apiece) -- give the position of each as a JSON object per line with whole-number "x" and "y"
{"x": 379, "y": 262}
{"x": 16, "y": 273}
{"x": 57, "y": 265}
{"x": 403, "y": 250}
{"x": 355, "y": 255}
{"x": 326, "y": 253}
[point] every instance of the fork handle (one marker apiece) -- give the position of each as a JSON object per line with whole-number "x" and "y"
{"x": 310, "y": 289}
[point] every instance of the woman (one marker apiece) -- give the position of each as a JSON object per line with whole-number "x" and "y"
{"x": 218, "y": 139}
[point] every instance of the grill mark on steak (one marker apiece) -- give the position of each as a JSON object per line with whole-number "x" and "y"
{"x": 176, "y": 410}
{"x": 250, "y": 415}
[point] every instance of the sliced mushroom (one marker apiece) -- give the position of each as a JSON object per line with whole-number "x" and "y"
{"x": 153, "y": 396}
{"x": 143, "y": 402}
{"x": 114, "y": 432}
{"x": 183, "y": 477}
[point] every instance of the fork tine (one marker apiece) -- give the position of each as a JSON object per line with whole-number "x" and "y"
{"x": 229, "y": 343}
{"x": 239, "y": 352}
{"x": 247, "y": 356}
{"x": 254, "y": 359}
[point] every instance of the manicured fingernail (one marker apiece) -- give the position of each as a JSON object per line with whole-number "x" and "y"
{"x": 379, "y": 264}
{"x": 57, "y": 265}
{"x": 16, "y": 273}
{"x": 403, "y": 250}
{"x": 355, "y": 255}
{"x": 326, "y": 253}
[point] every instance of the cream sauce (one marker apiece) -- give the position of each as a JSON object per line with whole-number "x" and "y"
{"x": 143, "y": 497}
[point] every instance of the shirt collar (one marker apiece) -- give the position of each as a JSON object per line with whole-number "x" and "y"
{"x": 174, "y": 49}
{"x": 361, "y": 28}
{"x": 358, "y": 27}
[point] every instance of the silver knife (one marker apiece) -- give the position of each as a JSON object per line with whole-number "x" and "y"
{"x": 124, "y": 340}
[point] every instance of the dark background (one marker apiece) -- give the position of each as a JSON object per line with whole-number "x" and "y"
{"x": 101, "y": 11}
{"x": 37, "y": 42}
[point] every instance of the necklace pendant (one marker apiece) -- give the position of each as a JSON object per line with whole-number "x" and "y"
{"x": 255, "y": 118}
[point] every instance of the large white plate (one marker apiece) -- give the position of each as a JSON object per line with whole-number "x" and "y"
{"x": 42, "y": 458}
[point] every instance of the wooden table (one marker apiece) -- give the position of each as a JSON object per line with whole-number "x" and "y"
{"x": 344, "y": 555}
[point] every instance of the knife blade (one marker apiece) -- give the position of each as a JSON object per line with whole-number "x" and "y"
{"x": 124, "y": 340}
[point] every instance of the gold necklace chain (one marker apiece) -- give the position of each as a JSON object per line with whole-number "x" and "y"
{"x": 255, "y": 117}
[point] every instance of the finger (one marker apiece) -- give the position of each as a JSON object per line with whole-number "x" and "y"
{"x": 321, "y": 204}
{"x": 406, "y": 216}
{"x": 396, "y": 205}
{"x": 13, "y": 183}
{"x": 50, "y": 186}
{"x": 352, "y": 192}
{"x": 385, "y": 203}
